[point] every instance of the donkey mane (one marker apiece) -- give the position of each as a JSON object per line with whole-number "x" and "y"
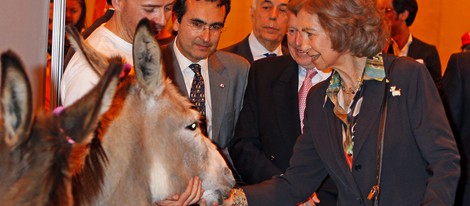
{"x": 57, "y": 174}
{"x": 87, "y": 179}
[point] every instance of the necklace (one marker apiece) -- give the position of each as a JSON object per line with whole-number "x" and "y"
{"x": 353, "y": 89}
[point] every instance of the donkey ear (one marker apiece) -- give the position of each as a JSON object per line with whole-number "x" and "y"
{"x": 147, "y": 58}
{"x": 81, "y": 118}
{"x": 97, "y": 60}
{"x": 16, "y": 100}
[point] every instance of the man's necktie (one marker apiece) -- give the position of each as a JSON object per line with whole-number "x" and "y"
{"x": 390, "y": 49}
{"x": 270, "y": 54}
{"x": 306, "y": 85}
{"x": 197, "y": 96}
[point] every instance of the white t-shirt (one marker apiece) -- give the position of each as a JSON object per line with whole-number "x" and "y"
{"x": 79, "y": 77}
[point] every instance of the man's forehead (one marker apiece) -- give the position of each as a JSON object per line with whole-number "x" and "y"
{"x": 276, "y": 2}
{"x": 156, "y": 2}
{"x": 205, "y": 11}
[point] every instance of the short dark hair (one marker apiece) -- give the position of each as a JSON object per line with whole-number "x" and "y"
{"x": 179, "y": 9}
{"x": 109, "y": 2}
{"x": 354, "y": 25}
{"x": 409, "y": 5}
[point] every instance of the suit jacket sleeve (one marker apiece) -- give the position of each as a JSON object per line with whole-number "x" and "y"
{"x": 302, "y": 178}
{"x": 452, "y": 92}
{"x": 247, "y": 150}
{"x": 433, "y": 63}
{"x": 433, "y": 137}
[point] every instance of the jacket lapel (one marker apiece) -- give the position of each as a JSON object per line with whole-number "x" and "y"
{"x": 335, "y": 142}
{"x": 245, "y": 50}
{"x": 285, "y": 105}
{"x": 172, "y": 68}
{"x": 220, "y": 85}
{"x": 369, "y": 114}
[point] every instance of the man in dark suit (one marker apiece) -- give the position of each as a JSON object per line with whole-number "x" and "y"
{"x": 269, "y": 22}
{"x": 401, "y": 14}
{"x": 456, "y": 97}
{"x": 199, "y": 25}
{"x": 269, "y": 122}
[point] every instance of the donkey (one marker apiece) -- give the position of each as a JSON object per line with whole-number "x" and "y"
{"x": 34, "y": 150}
{"x": 150, "y": 136}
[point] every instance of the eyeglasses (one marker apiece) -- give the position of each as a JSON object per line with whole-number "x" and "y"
{"x": 199, "y": 27}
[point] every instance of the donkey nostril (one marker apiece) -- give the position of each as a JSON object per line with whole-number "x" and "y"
{"x": 220, "y": 197}
{"x": 227, "y": 171}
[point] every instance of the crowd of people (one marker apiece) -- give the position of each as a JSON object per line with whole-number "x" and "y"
{"x": 325, "y": 102}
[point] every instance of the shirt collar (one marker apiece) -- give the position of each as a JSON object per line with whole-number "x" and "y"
{"x": 184, "y": 62}
{"x": 258, "y": 50}
{"x": 323, "y": 75}
{"x": 404, "y": 51}
{"x": 374, "y": 70}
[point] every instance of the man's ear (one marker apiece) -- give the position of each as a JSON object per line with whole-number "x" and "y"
{"x": 404, "y": 15}
{"x": 176, "y": 23}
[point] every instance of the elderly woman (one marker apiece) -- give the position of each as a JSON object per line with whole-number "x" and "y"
{"x": 417, "y": 163}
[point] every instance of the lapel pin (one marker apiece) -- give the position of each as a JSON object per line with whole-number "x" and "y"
{"x": 221, "y": 85}
{"x": 395, "y": 91}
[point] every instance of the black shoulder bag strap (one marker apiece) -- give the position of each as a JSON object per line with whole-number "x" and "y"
{"x": 375, "y": 190}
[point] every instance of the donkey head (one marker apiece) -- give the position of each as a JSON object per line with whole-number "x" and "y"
{"x": 182, "y": 150}
{"x": 34, "y": 151}
{"x": 151, "y": 137}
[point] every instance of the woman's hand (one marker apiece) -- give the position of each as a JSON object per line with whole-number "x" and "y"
{"x": 191, "y": 195}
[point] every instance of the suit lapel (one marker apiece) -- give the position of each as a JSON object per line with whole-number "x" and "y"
{"x": 335, "y": 142}
{"x": 246, "y": 51}
{"x": 413, "y": 49}
{"x": 172, "y": 68}
{"x": 219, "y": 85}
{"x": 285, "y": 50}
{"x": 285, "y": 105}
{"x": 369, "y": 114}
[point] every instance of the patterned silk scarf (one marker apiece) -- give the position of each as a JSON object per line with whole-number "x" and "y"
{"x": 374, "y": 70}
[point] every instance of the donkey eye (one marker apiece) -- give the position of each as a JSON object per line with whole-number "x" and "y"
{"x": 192, "y": 126}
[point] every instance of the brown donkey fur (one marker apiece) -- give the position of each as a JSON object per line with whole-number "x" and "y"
{"x": 150, "y": 138}
{"x": 34, "y": 150}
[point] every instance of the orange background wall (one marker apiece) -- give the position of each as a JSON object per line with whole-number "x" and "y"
{"x": 439, "y": 22}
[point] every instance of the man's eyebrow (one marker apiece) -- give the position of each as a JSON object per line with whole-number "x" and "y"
{"x": 199, "y": 21}
{"x": 196, "y": 20}
{"x": 308, "y": 29}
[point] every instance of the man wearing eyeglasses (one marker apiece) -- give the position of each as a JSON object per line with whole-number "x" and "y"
{"x": 214, "y": 81}
{"x": 401, "y": 14}
{"x": 269, "y": 22}
{"x": 112, "y": 38}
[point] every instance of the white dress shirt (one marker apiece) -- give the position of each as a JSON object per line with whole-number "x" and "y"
{"x": 188, "y": 76}
{"x": 258, "y": 50}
